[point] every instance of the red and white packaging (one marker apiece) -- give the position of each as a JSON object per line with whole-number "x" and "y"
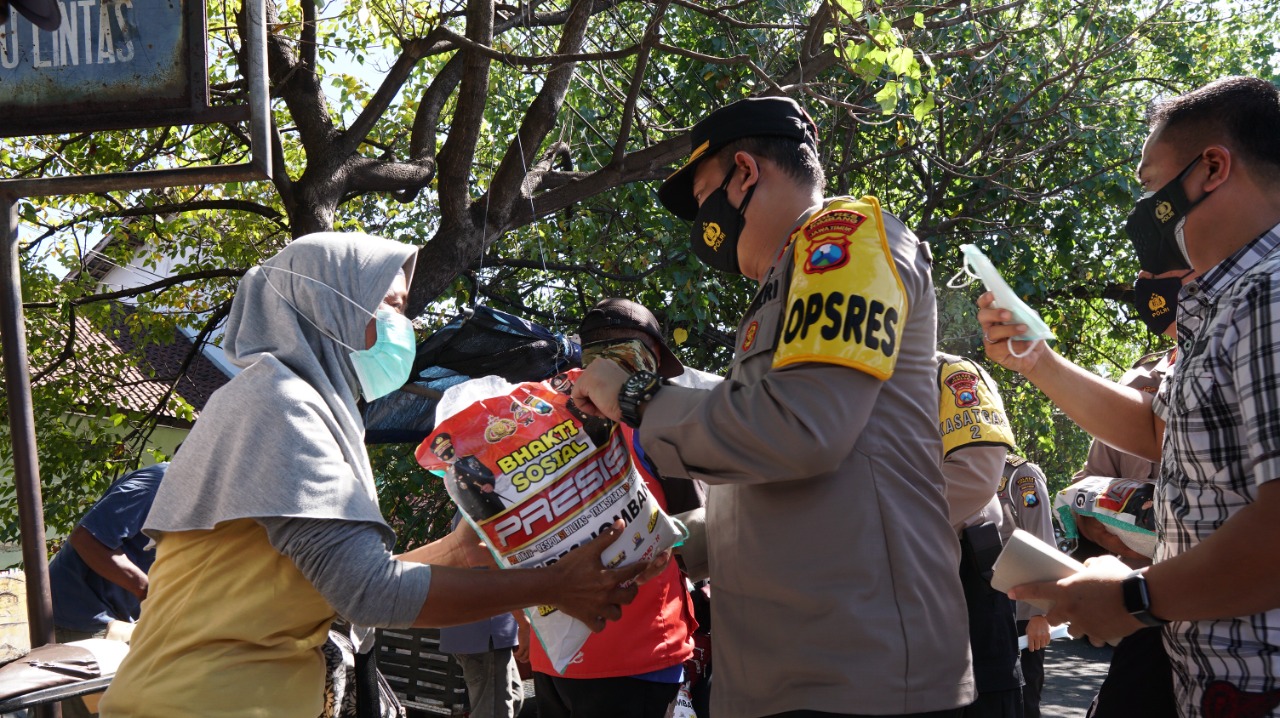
{"x": 536, "y": 478}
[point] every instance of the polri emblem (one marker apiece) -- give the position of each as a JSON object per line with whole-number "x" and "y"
{"x": 749, "y": 336}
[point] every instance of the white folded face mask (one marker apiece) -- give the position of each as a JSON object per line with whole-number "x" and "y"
{"x": 977, "y": 266}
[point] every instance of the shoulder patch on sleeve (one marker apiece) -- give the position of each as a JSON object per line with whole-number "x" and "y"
{"x": 970, "y": 411}
{"x": 1027, "y": 492}
{"x": 846, "y": 303}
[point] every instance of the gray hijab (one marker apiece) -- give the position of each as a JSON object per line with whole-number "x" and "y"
{"x": 284, "y": 437}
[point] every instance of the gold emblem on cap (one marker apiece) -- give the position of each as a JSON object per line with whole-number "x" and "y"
{"x": 1164, "y": 211}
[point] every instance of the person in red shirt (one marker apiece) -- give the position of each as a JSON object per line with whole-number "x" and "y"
{"x": 634, "y": 667}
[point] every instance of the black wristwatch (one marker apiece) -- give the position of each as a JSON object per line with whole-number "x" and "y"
{"x": 1137, "y": 600}
{"x": 636, "y": 390}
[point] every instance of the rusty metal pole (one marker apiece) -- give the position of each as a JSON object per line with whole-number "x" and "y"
{"x": 22, "y": 431}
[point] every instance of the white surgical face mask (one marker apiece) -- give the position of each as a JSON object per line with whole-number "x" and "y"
{"x": 383, "y": 367}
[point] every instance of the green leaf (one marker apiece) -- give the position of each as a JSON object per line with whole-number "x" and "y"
{"x": 852, "y": 7}
{"x": 887, "y": 97}
{"x": 900, "y": 60}
{"x": 922, "y": 108}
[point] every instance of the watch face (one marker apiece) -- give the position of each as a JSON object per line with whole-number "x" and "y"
{"x": 1134, "y": 591}
{"x": 637, "y": 382}
{"x": 637, "y": 389}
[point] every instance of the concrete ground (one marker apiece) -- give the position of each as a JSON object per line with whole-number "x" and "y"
{"x": 1073, "y": 670}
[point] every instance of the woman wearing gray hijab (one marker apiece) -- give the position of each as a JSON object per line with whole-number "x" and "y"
{"x": 267, "y": 525}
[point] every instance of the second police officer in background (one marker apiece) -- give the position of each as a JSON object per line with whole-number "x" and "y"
{"x": 1025, "y": 498}
{"x": 976, "y": 437}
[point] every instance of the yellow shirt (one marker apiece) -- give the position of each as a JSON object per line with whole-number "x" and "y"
{"x": 230, "y": 627}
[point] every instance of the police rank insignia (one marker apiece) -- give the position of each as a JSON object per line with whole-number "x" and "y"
{"x": 749, "y": 336}
{"x": 846, "y": 303}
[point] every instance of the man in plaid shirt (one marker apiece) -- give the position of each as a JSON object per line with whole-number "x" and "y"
{"x": 1212, "y": 165}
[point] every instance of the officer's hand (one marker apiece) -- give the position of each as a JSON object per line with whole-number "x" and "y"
{"x": 1037, "y": 633}
{"x": 596, "y": 390}
{"x": 590, "y": 592}
{"x": 1097, "y": 532}
{"x": 996, "y": 334}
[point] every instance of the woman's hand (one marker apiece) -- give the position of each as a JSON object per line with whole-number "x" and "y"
{"x": 461, "y": 548}
{"x": 590, "y": 592}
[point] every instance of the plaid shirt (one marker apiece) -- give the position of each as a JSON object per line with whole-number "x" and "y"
{"x": 1222, "y": 441}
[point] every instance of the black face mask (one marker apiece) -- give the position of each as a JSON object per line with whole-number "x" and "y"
{"x": 1155, "y": 226}
{"x": 718, "y": 226}
{"x": 1156, "y": 299}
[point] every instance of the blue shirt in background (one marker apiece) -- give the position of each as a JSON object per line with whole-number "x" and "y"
{"x": 83, "y": 600}
{"x": 481, "y": 636}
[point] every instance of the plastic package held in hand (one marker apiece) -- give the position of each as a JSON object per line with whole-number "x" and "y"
{"x": 1124, "y": 507}
{"x": 536, "y": 478}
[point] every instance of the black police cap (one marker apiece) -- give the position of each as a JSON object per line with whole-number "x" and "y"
{"x": 752, "y": 117}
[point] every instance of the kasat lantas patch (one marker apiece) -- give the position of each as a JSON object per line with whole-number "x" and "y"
{"x": 846, "y": 304}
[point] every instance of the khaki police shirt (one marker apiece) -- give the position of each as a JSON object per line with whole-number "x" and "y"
{"x": 1104, "y": 460}
{"x": 1025, "y": 498}
{"x": 976, "y": 436}
{"x": 834, "y": 566}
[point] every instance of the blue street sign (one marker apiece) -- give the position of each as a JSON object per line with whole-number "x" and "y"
{"x": 118, "y": 58}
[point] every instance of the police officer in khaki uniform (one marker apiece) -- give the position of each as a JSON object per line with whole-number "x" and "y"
{"x": 832, "y": 558}
{"x": 976, "y": 437}
{"x": 1027, "y": 506}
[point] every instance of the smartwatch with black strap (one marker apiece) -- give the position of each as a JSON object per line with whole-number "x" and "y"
{"x": 1137, "y": 599}
{"x": 636, "y": 390}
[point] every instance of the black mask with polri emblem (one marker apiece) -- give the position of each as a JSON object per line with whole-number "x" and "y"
{"x": 718, "y": 226}
{"x": 1156, "y": 299}
{"x": 1155, "y": 226}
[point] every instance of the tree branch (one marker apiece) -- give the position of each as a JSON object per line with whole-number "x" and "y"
{"x": 422, "y": 141}
{"x": 143, "y": 289}
{"x": 539, "y": 118}
{"x": 651, "y": 34}
{"x": 68, "y": 348}
{"x": 300, "y": 88}
{"x": 377, "y": 106}
{"x": 459, "y": 149}
{"x": 236, "y": 205}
